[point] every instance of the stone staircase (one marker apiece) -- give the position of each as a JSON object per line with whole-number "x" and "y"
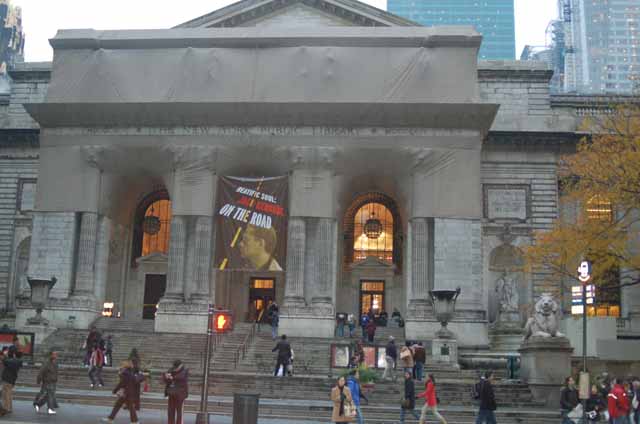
{"x": 157, "y": 350}
{"x": 302, "y": 397}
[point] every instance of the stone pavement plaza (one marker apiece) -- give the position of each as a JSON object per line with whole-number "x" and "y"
{"x": 23, "y": 413}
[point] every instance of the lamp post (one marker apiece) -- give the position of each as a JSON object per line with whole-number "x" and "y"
{"x": 40, "y": 289}
{"x": 202, "y": 417}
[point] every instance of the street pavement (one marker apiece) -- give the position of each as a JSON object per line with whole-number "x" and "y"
{"x": 23, "y": 413}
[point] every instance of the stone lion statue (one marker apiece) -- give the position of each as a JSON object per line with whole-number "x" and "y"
{"x": 545, "y": 321}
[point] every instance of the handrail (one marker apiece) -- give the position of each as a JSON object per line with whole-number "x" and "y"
{"x": 241, "y": 351}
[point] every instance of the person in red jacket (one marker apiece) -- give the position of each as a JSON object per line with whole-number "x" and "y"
{"x": 618, "y": 403}
{"x": 430, "y": 401}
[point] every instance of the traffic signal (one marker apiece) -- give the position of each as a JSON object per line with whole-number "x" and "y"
{"x": 222, "y": 321}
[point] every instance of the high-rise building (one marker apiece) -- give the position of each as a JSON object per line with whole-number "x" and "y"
{"x": 494, "y": 19}
{"x": 11, "y": 36}
{"x": 602, "y": 39}
{"x": 552, "y": 53}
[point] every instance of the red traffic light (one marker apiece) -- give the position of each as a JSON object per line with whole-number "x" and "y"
{"x": 222, "y": 321}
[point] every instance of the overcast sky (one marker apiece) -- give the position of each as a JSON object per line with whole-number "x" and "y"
{"x": 42, "y": 18}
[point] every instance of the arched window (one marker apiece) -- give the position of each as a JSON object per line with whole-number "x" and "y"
{"x": 155, "y": 228}
{"x": 373, "y": 232}
{"x": 372, "y": 228}
{"x": 152, "y": 225}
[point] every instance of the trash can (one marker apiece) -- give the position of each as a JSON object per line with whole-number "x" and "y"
{"x": 245, "y": 408}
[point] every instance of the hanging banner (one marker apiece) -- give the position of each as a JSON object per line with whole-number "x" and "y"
{"x": 251, "y": 223}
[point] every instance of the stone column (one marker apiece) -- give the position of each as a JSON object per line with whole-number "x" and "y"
{"x": 322, "y": 301}
{"x": 177, "y": 258}
{"x": 294, "y": 289}
{"x": 419, "y": 306}
{"x": 203, "y": 256}
{"x": 86, "y": 261}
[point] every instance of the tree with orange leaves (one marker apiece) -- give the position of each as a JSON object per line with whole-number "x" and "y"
{"x": 601, "y": 204}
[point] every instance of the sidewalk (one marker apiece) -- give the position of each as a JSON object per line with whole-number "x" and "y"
{"x": 23, "y": 413}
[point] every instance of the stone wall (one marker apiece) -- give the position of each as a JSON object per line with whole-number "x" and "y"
{"x": 30, "y": 82}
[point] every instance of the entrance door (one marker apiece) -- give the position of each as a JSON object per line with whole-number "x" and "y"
{"x": 154, "y": 288}
{"x": 261, "y": 291}
{"x": 371, "y": 297}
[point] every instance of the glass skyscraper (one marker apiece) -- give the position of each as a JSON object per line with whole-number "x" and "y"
{"x": 494, "y": 19}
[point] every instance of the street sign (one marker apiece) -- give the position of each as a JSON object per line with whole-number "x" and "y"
{"x": 577, "y": 307}
{"x": 584, "y": 272}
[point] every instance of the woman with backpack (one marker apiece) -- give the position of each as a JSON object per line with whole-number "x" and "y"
{"x": 430, "y": 401}
{"x": 126, "y": 392}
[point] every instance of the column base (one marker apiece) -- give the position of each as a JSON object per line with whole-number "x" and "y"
{"x": 323, "y": 307}
{"x": 468, "y": 333}
{"x": 181, "y": 317}
{"x": 420, "y": 309}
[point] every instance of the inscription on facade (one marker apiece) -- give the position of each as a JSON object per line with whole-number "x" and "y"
{"x": 509, "y": 202}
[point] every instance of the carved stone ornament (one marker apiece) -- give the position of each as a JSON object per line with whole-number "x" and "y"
{"x": 545, "y": 320}
{"x": 193, "y": 156}
{"x": 307, "y": 157}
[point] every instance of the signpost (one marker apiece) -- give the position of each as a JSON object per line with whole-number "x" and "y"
{"x": 218, "y": 322}
{"x": 584, "y": 276}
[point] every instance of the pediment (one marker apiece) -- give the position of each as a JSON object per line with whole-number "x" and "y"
{"x": 297, "y": 13}
{"x": 153, "y": 258}
{"x": 372, "y": 262}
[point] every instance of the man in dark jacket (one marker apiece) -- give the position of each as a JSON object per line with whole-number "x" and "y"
{"x": 568, "y": 399}
{"x": 48, "y": 378}
{"x": 284, "y": 354}
{"x": 177, "y": 390}
{"x": 409, "y": 400}
{"x": 93, "y": 339}
{"x": 486, "y": 414}
{"x": 12, "y": 365}
{"x": 419, "y": 357}
{"x": 391, "y": 354}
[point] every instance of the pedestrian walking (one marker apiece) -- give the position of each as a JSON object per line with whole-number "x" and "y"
{"x": 391, "y": 354}
{"x": 96, "y": 362}
{"x": 371, "y": 330}
{"x": 47, "y": 378}
{"x": 364, "y": 320}
{"x": 93, "y": 338}
{"x": 356, "y": 393}
{"x": 568, "y": 399}
{"x": 351, "y": 322}
{"x": 125, "y": 392}
{"x": 343, "y": 407}
{"x": 260, "y": 318}
{"x": 12, "y": 365}
{"x": 284, "y": 354}
{"x": 635, "y": 400}
{"x": 409, "y": 400}
{"x": 430, "y": 400}
{"x": 618, "y": 403}
{"x": 108, "y": 355}
{"x": 275, "y": 321}
{"x": 340, "y": 323}
{"x": 136, "y": 366}
{"x": 486, "y": 413}
{"x": 419, "y": 358}
{"x": 176, "y": 382}
{"x": 406, "y": 357}
{"x": 594, "y": 406}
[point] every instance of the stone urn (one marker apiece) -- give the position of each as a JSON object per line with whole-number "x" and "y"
{"x": 40, "y": 289}
{"x": 444, "y": 306}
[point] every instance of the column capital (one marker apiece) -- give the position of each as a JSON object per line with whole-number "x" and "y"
{"x": 95, "y": 156}
{"x": 423, "y": 160}
{"x": 190, "y": 157}
{"x": 313, "y": 157}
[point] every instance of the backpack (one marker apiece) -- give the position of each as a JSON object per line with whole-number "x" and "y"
{"x": 475, "y": 391}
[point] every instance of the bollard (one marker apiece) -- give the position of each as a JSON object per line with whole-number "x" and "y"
{"x": 245, "y": 408}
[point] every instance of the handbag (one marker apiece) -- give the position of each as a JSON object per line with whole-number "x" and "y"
{"x": 406, "y": 404}
{"x": 349, "y": 410}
